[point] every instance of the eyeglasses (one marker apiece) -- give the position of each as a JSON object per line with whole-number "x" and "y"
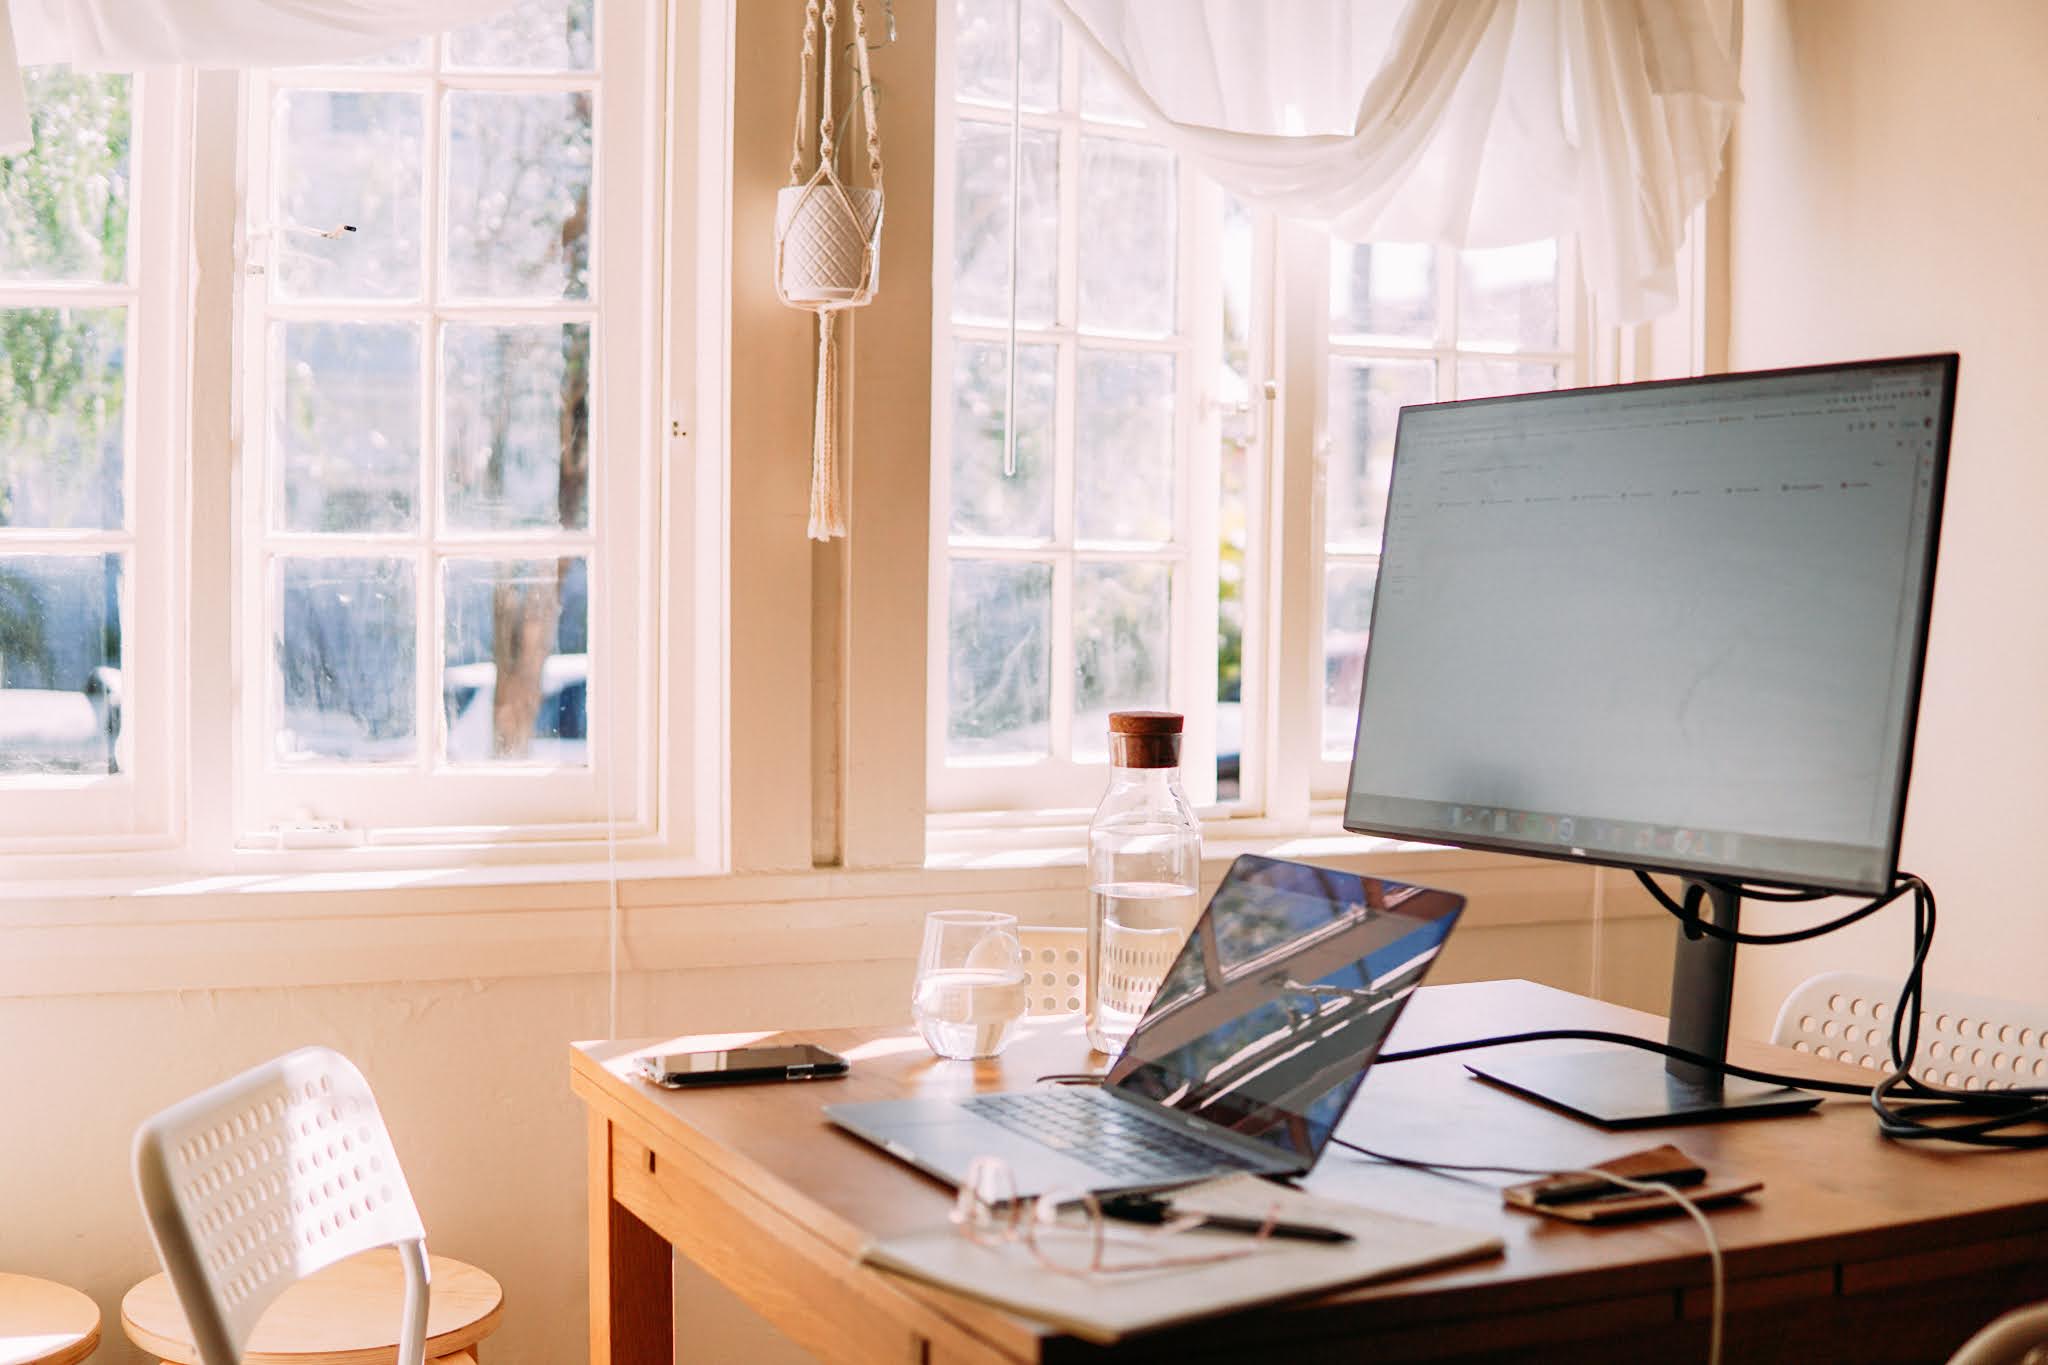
{"x": 1066, "y": 1232}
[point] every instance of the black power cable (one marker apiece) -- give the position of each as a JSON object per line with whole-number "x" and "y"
{"x": 1594, "y": 1035}
{"x": 1688, "y": 913}
{"x": 1908, "y": 1108}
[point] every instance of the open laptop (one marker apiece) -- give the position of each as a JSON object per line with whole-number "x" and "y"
{"x": 1245, "y": 1060}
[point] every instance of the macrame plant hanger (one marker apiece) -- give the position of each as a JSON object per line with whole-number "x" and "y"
{"x": 828, "y": 243}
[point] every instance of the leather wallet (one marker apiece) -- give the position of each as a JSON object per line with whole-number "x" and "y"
{"x": 1581, "y": 1198}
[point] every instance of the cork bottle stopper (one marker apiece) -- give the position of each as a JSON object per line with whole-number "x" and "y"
{"x": 1145, "y": 739}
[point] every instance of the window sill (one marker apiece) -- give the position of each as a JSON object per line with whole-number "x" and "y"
{"x": 1060, "y": 839}
{"x": 340, "y": 928}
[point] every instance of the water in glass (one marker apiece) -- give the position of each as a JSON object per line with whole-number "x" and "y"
{"x": 971, "y": 984}
{"x": 1142, "y": 926}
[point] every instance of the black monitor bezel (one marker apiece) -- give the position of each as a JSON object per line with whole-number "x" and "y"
{"x": 1950, "y": 363}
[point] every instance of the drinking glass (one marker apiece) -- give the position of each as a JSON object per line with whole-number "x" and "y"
{"x": 971, "y": 984}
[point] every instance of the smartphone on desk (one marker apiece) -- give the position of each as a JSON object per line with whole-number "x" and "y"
{"x": 733, "y": 1066}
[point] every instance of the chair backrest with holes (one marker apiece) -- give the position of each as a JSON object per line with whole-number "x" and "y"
{"x": 265, "y": 1179}
{"x": 1969, "y": 1042}
{"x": 1134, "y": 963}
{"x": 1057, "y": 959}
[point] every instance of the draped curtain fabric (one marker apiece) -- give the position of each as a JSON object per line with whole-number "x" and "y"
{"x": 132, "y": 34}
{"x": 1461, "y": 122}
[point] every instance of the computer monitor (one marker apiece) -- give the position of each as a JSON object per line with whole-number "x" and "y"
{"x": 1675, "y": 627}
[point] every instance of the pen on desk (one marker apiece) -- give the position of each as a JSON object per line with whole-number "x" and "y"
{"x": 1137, "y": 1208}
{"x": 1293, "y": 1232}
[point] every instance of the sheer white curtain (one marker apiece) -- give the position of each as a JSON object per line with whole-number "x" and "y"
{"x": 130, "y": 34}
{"x": 1462, "y": 122}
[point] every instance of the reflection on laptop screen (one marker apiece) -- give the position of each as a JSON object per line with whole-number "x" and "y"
{"x": 1281, "y": 998}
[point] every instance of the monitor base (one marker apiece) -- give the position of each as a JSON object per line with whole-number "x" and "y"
{"x": 1629, "y": 1089}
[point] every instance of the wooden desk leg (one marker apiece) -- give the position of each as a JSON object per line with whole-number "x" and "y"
{"x": 632, "y": 1273}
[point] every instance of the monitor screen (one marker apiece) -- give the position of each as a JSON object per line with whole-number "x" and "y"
{"x": 1674, "y": 626}
{"x": 1282, "y": 996}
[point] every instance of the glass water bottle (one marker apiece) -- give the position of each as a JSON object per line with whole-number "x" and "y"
{"x": 1144, "y": 860}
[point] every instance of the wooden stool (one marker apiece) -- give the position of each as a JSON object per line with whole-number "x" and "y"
{"x": 45, "y": 1324}
{"x": 347, "y": 1310}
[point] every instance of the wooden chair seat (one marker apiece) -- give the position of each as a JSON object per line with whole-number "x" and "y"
{"x": 43, "y": 1323}
{"x": 348, "y": 1314}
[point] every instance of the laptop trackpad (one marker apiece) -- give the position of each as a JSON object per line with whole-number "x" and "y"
{"x": 940, "y": 1138}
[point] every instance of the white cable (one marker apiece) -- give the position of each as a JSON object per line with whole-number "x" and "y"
{"x": 611, "y": 866}
{"x": 1675, "y": 1195}
{"x": 610, "y": 777}
{"x": 1016, "y": 231}
{"x": 1698, "y": 1215}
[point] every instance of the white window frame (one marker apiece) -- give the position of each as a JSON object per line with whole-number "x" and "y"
{"x": 133, "y": 808}
{"x": 1055, "y": 781}
{"x": 427, "y": 801}
{"x": 179, "y": 822}
{"x": 1329, "y": 775}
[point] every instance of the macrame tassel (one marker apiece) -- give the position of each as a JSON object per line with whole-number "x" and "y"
{"x": 828, "y": 501}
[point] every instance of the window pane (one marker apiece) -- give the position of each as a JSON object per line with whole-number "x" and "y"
{"x": 1509, "y": 294}
{"x": 1122, "y": 637}
{"x": 998, "y": 659}
{"x": 1347, "y": 616}
{"x": 348, "y": 157}
{"x": 60, "y": 663}
{"x": 983, "y": 53}
{"x": 62, "y": 386}
{"x": 345, "y": 425}
{"x": 546, "y": 35}
{"x": 1490, "y": 378}
{"x": 1240, "y": 433}
{"x": 1127, "y": 236}
{"x": 1123, "y": 481}
{"x": 64, "y": 202}
{"x": 1366, "y": 398}
{"x": 981, "y": 226}
{"x": 345, "y": 657}
{"x": 517, "y": 408}
{"x": 519, "y": 195}
{"x": 527, "y": 622}
{"x": 1383, "y": 291}
{"x": 1101, "y": 99}
{"x": 986, "y": 501}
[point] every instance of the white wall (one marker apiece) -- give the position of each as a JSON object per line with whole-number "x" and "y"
{"x": 1890, "y": 195}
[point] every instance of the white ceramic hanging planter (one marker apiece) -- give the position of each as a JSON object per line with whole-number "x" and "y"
{"x": 828, "y": 245}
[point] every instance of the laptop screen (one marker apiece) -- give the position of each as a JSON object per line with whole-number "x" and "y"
{"x": 1267, "y": 1020}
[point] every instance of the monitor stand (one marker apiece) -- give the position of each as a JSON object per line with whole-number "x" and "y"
{"x": 1619, "y": 1087}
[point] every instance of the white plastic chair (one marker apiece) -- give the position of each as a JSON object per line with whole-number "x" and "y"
{"x": 2018, "y": 1338}
{"x": 1975, "y": 1042}
{"x": 264, "y": 1180}
{"x": 1970, "y": 1041}
{"x": 1055, "y": 959}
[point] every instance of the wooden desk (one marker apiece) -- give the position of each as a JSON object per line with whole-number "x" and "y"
{"x": 1858, "y": 1247}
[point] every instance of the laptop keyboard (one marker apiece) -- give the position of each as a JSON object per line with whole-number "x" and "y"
{"x": 1105, "y": 1134}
